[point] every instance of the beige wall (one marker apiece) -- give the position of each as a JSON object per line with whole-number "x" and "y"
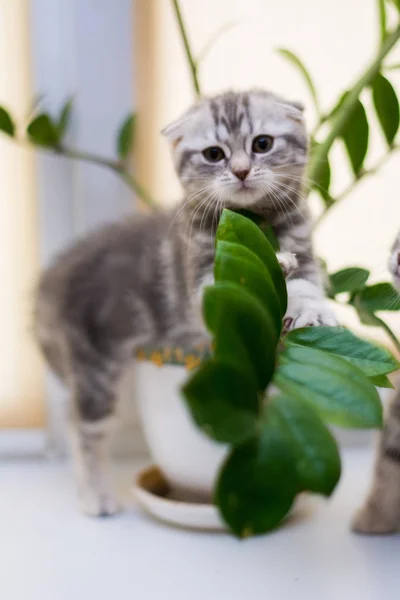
{"x": 335, "y": 40}
{"x": 21, "y": 377}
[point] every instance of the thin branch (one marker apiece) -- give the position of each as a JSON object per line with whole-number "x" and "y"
{"x": 353, "y": 184}
{"x": 189, "y": 54}
{"x": 382, "y": 19}
{"x": 390, "y": 333}
{"x": 346, "y": 110}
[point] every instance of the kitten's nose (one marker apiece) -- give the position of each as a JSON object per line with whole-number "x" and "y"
{"x": 241, "y": 173}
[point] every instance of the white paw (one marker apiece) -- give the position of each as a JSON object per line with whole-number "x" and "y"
{"x": 288, "y": 262}
{"x": 306, "y": 312}
{"x": 95, "y": 503}
{"x": 373, "y": 520}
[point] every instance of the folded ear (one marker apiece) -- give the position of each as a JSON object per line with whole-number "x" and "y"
{"x": 175, "y": 130}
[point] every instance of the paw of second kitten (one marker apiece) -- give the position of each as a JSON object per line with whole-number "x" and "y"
{"x": 307, "y": 313}
{"x": 373, "y": 521}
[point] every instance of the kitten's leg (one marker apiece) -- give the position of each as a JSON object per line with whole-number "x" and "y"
{"x": 381, "y": 513}
{"x": 93, "y": 382}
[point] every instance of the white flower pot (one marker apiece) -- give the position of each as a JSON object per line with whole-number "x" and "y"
{"x": 188, "y": 459}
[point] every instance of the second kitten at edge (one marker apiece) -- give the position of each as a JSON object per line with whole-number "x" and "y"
{"x": 140, "y": 280}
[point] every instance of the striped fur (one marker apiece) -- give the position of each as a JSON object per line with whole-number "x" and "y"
{"x": 141, "y": 280}
{"x": 381, "y": 512}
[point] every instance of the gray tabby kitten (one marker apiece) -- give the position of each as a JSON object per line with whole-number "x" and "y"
{"x": 141, "y": 280}
{"x": 381, "y": 512}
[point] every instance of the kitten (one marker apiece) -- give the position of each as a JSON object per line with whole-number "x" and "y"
{"x": 141, "y": 280}
{"x": 381, "y": 512}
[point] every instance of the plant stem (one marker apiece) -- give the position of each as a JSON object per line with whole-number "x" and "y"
{"x": 188, "y": 51}
{"x": 348, "y": 189}
{"x": 382, "y": 19}
{"x": 346, "y": 110}
{"x": 115, "y": 165}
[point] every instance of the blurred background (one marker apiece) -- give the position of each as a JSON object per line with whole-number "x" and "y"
{"x": 118, "y": 56}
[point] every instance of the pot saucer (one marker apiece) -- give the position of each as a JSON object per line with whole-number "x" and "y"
{"x": 155, "y": 496}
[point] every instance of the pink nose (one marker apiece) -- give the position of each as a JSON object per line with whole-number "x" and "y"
{"x": 242, "y": 174}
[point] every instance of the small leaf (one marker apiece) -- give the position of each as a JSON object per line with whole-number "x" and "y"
{"x": 295, "y": 60}
{"x": 381, "y": 381}
{"x": 235, "y": 263}
{"x": 355, "y": 136}
{"x": 125, "y": 137}
{"x": 6, "y": 123}
{"x": 257, "y": 484}
{"x": 223, "y": 402}
{"x": 371, "y": 358}
{"x": 317, "y": 455}
{"x": 64, "y": 119}
{"x": 43, "y": 132}
{"x": 339, "y": 391}
{"x": 322, "y": 182}
{"x": 386, "y": 106}
{"x": 236, "y": 228}
{"x": 351, "y": 279}
{"x": 244, "y": 332}
{"x": 381, "y": 296}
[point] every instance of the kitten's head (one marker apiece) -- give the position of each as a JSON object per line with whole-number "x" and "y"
{"x": 240, "y": 148}
{"x": 394, "y": 263}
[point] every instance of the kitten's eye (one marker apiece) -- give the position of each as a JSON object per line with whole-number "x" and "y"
{"x": 213, "y": 154}
{"x": 262, "y": 144}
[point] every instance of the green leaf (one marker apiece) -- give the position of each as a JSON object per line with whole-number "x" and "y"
{"x": 257, "y": 484}
{"x": 381, "y": 296}
{"x": 322, "y": 182}
{"x": 296, "y": 62}
{"x": 244, "y": 332}
{"x": 43, "y": 132}
{"x": 235, "y": 263}
{"x": 64, "y": 119}
{"x": 381, "y": 381}
{"x": 355, "y": 136}
{"x": 386, "y": 106}
{"x": 317, "y": 456}
{"x": 125, "y": 137}
{"x": 236, "y": 228}
{"x": 396, "y": 3}
{"x": 223, "y": 402}
{"x": 351, "y": 279}
{"x": 339, "y": 391}
{"x": 369, "y": 357}
{"x": 6, "y": 123}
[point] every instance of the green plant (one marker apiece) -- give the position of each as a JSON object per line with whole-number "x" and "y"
{"x": 346, "y": 124}
{"x": 280, "y": 445}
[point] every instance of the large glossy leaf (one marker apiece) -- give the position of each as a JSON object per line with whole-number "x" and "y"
{"x": 236, "y": 228}
{"x": 244, "y": 332}
{"x": 348, "y": 280}
{"x": 381, "y": 296}
{"x": 371, "y": 358}
{"x": 43, "y": 132}
{"x": 257, "y": 484}
{"x": 223, "y": 402}
{"x": 296, "y": 62}
{"x": 6, "y": 123}
{"x": 125, "y": 137}
{"x": 317, "y": 455}
{"x": 235, "y": 263}
{"x": 355, "y": 136}
{"x": 386, "y": 106}
{"x": 339, "y": 391}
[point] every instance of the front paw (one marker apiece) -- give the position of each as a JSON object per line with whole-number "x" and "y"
{"x": 308, "y": 313}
